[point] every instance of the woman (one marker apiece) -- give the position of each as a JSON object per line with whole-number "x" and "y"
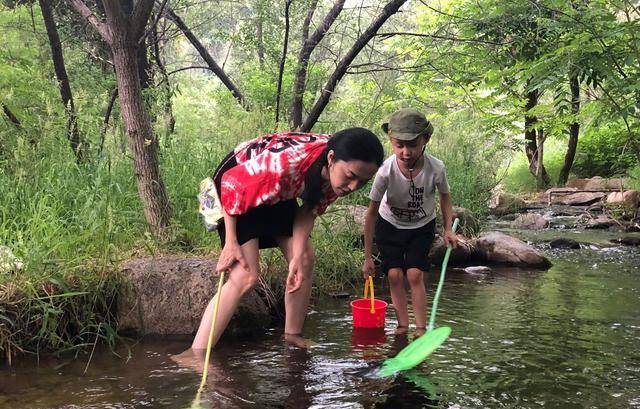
{"x": 258, "y": 185}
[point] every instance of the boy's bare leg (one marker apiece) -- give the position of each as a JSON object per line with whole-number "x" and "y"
{"x": 239, "y": 282}
{"x": 399, "y": 297}
{"x": 296, "y": 304}
{"x": 418, "y": 298}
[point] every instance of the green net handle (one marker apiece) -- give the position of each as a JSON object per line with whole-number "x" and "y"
{"x": 432, "y": 318}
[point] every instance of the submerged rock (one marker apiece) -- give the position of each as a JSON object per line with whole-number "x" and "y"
{"x": 628, "y": 241}
{"x": 599, "y": 222}
{"x": 478, "y": 270}
{"x": 564, "y": 243}
{"x": 500, "y": 248}
{"x": 167, "y": 295}
{"x": 530, "y": 221}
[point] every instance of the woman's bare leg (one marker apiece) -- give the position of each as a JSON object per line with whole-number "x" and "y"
{"x": 238, "y": 283}
{"x": 297, "y": 303}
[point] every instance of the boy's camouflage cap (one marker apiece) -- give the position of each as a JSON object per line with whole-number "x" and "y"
{"x": 407, "y": 124}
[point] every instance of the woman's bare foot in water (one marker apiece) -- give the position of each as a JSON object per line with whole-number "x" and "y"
{"x": 191, "y": 358}
{"x": 297, "y": 340}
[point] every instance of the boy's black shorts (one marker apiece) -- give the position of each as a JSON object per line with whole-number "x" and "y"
{"x": 404, "y": 248}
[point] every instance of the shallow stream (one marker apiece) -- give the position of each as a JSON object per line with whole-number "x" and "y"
{"x": 568, "y": 337}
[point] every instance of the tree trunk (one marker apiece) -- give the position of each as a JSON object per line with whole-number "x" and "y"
{"x": 259, "y": 37}
{"x": 541, "y": 183}
{"x": 390, "y": 9}
{"x": 308, "y": 45}
{"x": 283, "y": 60}
{"x": 142, "y": 142}
{"x": 73, "y": 135}
{"x": 169, "y": 119}
{"x": 202, "y": 50}
{"x": 530, "y": 135}
{"x": 122, "y": 32}
{"x": 574, "y": 130}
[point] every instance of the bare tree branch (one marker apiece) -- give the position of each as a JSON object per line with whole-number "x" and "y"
{"x": 73, "y": 134}
{"x": 107, "y": 116}
{"x": 204, "y": 53}
{"x": 283, "y": 60}
{"x": 303, "y": 60}
{"x": 103, "y": 29}
{"x": 390, "y": 9}
{"x": 439, "y": 37}
{"x": 307, "y": 20}
{"x": 154, "y": 24}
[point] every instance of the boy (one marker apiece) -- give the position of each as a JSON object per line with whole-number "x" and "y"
{"x": 403, "y": 194}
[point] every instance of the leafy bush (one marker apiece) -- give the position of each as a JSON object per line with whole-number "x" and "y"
{"x": 601, "y": 152}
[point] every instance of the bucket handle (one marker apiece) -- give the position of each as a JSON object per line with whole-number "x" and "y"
{"x": 368, "y": 284}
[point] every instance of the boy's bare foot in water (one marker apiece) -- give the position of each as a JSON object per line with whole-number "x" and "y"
{"x": 401, "y": 329}
{"x": 297, "y": 340}
{"x": 420, "y": 331}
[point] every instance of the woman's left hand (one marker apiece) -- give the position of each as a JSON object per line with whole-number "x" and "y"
{"x": 294, "y": 279}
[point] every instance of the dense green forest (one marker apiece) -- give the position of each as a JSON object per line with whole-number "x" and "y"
{"x": 113, "y": 111}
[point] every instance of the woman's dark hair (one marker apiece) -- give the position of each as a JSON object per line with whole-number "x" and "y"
{"x": 348, "y": 144}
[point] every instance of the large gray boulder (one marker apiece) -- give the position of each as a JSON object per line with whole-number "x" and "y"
{"x": 459, "y": 255}
{"x": 580, "y": 198}
{"x": 506, "y": 203}
{"x": 167, "y": 296}
{"x": 496, "y": 247}
{"x": 596, "y": 183}
{"x": 628, "y": 200}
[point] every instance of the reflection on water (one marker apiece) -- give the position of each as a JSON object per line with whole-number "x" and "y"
{"x": 562, "y": 338}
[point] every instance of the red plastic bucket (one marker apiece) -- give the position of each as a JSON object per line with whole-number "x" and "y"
{"x": 362, "y": 315}
{"x": 361, "y": 338}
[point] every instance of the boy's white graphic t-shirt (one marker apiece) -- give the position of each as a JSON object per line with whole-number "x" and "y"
{"x": 406, "y": 205}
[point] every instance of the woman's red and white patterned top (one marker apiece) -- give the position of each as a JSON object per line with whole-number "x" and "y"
{"x": 272, "y": 168}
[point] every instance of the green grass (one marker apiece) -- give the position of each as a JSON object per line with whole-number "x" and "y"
{"x": 518, "y": 178}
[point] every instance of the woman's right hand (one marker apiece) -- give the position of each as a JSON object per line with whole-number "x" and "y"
{"x": 368, "y": 268}
{"x": 230, "y": 254}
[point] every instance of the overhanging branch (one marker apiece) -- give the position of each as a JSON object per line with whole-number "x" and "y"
{"x": 86, "y": 13}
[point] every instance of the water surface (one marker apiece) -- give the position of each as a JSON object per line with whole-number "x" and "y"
{"x": 563, "y": 338}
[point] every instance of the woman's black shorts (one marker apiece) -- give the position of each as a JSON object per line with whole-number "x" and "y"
{"x": 404, "y": 248}
{"x": 264, "y": 222}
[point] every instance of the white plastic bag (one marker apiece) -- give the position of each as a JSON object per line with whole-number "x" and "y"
{"x": 210, "y": 206}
